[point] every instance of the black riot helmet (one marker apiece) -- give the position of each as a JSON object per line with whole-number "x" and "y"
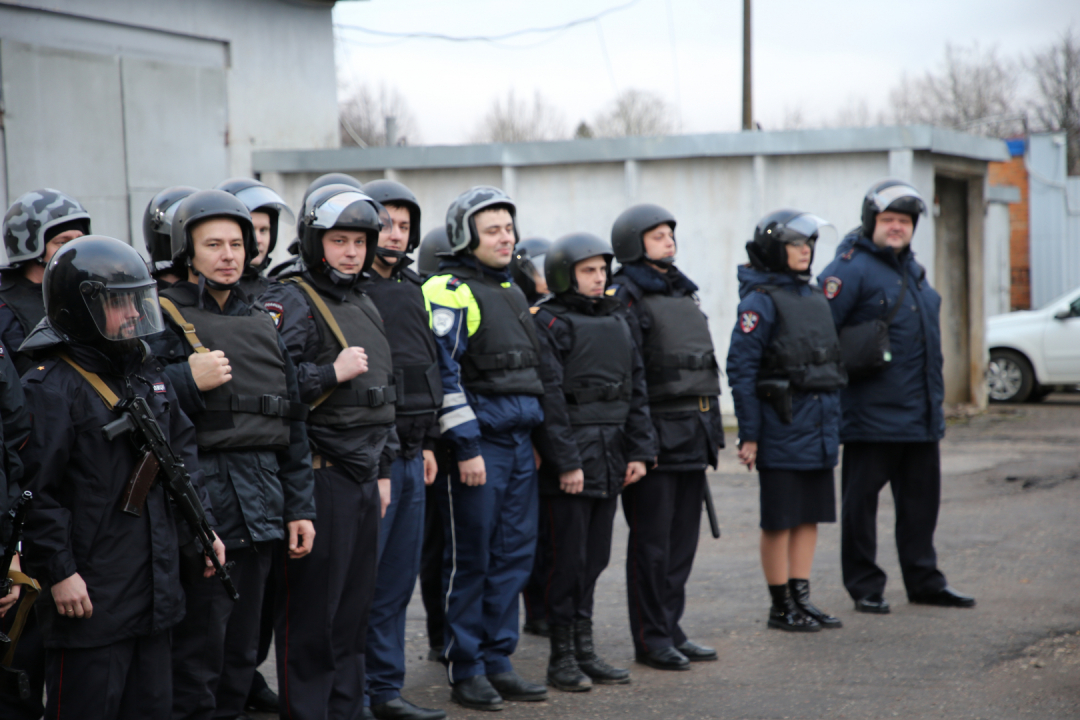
{"x": 630, "y": 227}
{"x": 892, "y": 195}
{"x": 206, "y": 205}
{"x": 34, "y": 218}
{"x": 434, "y": 244}
{"x": 528, "y": 264}
{"x": 568, "y": 251}
{"x": 388, "y": 192}
{"x": 157, "y": 223}
{"x": 98, "y": 290}
{"x": 321, "y": 182}
{"x": 257, "y": 197}
{"x": 777, "y": 230}
{"x": 461, "y": 215}
{"x": 346, "y": 208}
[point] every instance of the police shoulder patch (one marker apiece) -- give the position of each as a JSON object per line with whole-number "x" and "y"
{"x": 748, "y": 320}
{"x": 442, "y": 321}
{"x": 276, "y": 310}
{"x": 453, "y": 283}
{"x": 159, "y": 387}
{"x": 832, "y": 286}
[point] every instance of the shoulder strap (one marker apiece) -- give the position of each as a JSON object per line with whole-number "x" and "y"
{"x": 30, "y": 593}
{"x": 107, "y": 396}
{"x": 320, "y": 305}
{"x": 188, "y": 328}
{"x": 899, "y": 300}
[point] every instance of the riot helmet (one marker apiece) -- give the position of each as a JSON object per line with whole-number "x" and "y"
{"x": 627, "y": 234}
{"x": 388, "y": 192}
{"x": 777, "y": 230}
{"x": 35, "y": 218}
{"x": 321, "y": 182}
{"x": 461, "y": 215}
{"x": 345, "y": 208}
{"x": 527, "y": 265}
{"x": 157, "y": 224}
{"x": 98, "y": 290}
{"x": 206, "y": 205}
{"x": 434, "y": 244}
{"x": 894, "y": 196}
{"x": 567, "y": 252}
{"x": 257, "y": 197}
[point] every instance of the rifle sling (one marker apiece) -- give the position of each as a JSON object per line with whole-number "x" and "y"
{"x": 30, "y": 594}
{"x": 107, "y": 396}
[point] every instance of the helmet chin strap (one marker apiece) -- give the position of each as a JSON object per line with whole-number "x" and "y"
{"x": 665, "y": 262}
{"x": 339, "y": 278}
{"x": 388, "y": 253}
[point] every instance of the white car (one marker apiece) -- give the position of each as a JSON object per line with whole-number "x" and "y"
{"x": 1034, "y": 351}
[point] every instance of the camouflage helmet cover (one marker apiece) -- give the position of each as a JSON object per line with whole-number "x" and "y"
{"x": 30, "y": 217}
{"x": 460, "y": 225}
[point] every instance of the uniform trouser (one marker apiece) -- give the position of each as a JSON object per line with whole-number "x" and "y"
{"x": 30, "y": 659}
{"x": 266, "y": 622}
{"x": 323, "y": 603}
{"x": 532, "y": 596}
{"x": 663, "y": 510}
{"x": 126, "y": 679}
{"x": 214, "y": 646}
{"x": 490, "y": 535}
{"x": 400, "y": 537}
{"x": 431, "y": 563}
{"x": 913, "y": 471}
{"x": 579, "y": 532}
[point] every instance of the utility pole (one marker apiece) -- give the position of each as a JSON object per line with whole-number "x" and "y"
{"x": 747, "y": 102}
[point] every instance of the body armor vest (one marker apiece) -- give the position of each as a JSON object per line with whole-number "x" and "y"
{"x": 804, "y": 348}
{"x": 598, "y": 372}
{"x": 253, "y": 409}
{"x": 679, "y": 357}
{"x": 503, "y": 354}
{"x": 412, "y": 346}
{"x": 367, "y": 399}
{"x": 25, "y": 300}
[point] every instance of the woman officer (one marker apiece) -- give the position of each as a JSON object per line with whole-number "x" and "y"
{"x": 785, "y": 373}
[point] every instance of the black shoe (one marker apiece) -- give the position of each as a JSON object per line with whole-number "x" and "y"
{"x": 401, "y": 709}
{"x": 873, "y": 604}
{"x": 800, "y": 593}
{"x": 262, "y": 700}
{"x": 592, "y": 664}
{"x": 476, "y": 693}
{"x": 540, "y": 628}
{"x": 945, "y": 597}
{"x": 365, "y": 715}
{"x": 434, "y": 654}
{"x": 514, "y": 687}
{"x": 783, "y": 615}
{"x": 563, "y": 672}
{"x": 697, "y": 653}
{"x": 664, "y": 659}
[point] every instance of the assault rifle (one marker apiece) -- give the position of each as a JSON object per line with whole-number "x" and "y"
{"x": 159, "y": 460}
{"x": 13, "y": 681}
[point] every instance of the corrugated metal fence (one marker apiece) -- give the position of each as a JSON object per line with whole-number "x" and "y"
{"x": 1054, "y": 220}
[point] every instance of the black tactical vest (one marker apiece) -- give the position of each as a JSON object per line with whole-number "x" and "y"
{"x": 367, "y": 399}
{"x": 598, "y": 372}
{"x": 503, "y": 354}
{"x": 412, "y": 344}
{"x": 679, "y": 357}
{"x": 24, "y": 300}
{"x": 804, "y": 348}
{"x": 253, "y": 409}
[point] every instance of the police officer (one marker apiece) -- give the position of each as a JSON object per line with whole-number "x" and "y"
{"x": 596, "y": 438}
{"x": 239, "y": 388}
{"x": 664, "y": 508}
{"x": 111, "y": 586}
{"x": 488, "y": 356}
{"x": 395, "y": 290}
{"x": 269, "y": 214}
{"x": 785, "y": 373}
{"x": 527, "y": 268}
{"x": 35, "y": 227}
{"x": 157, "y": 233}
{"x": 337, "y": 341}
{"x": 892, "y": 418}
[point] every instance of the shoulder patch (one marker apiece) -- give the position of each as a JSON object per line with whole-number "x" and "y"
{"x": 611, "y": 290}
{"x": 159, "y": 387}
{"x": 442, "y": 321}
{"x": 276, "y": 310}
{"x": 453, "y": 283}
{"x": 748, "y": 321}
{"x": 1, "y": 351}
{"x": 849, "y": 254}
{"x": 832, "y": 286}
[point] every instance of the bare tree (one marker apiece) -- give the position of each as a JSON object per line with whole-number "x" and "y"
{"x": 1057, "y": 95}
{"x": 364, "y": 112}
{"x": 973, "y": 90}
{"x": 635, "y": 113}
{"x": 510, "y": 119}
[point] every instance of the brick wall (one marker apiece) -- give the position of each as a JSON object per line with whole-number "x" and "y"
{"x": 1014, "y": 173}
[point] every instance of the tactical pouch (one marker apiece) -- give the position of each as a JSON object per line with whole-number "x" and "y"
{"x": 777, "y": 392}
{"x": 864, "y": 348}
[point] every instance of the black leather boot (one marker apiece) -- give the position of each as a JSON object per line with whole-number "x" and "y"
{"x": 784, "y": 615}
{"x": 800, "y": 593}
{"x": 563, "y": 672}
{"x": 592, "y": 664}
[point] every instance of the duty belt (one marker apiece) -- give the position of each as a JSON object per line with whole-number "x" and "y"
{"x": 600, "y": 393}
{"x": 513, "y": 360}
{"x": 272, "y": 405}
{"x": 371, "y": 397}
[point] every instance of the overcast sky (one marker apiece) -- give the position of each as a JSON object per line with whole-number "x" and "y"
{"x": 810, "y": 57}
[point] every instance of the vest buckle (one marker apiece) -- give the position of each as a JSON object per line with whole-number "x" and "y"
{"x": 704, "y": 403}
{"x": 376, "y": 397}
{"x": 514, "y": 360}
{"x": 271, "y": 405}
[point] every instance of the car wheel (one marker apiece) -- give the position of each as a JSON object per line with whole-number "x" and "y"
{"x": 1009, "y": 377}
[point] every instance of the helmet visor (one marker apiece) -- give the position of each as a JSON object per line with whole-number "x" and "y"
{"x": 533, "y": 266}
{"x": 122, "y": 313}
{"x": 885, "y": 197}
{"x": 808, "y": 228}
{"x": 258, "y": 198}
{"x": 328, "y": 213}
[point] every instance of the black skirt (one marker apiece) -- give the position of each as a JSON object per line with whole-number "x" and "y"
{"x": 794, "y": 497}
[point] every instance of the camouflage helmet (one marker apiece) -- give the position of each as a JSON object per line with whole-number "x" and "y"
{"x": 30, "y": 217}
{"x": 460, "y": 223}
